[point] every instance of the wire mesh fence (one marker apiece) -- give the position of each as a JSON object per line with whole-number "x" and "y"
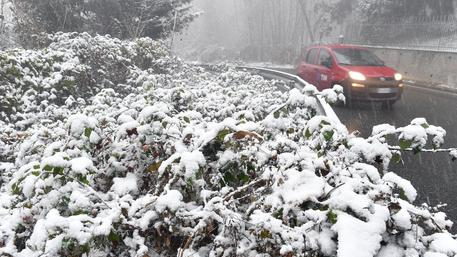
{"x": 423, "y": 33}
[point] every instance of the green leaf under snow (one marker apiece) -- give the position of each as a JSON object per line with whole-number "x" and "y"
{"x": 114, "y": 237}
{"x": 279, "y": 213}
{"x": 16, "y": 189}
{"x": 229, "y": 178}
{"x": 332, "y": 217}
{"x": 83, "y": 179}
{"x": 265, "y": 234}
{"x": 221, "y": 135}
{"x": 307, "y": 133}
{"x": 277, "y": 114}
{"x": 243, "y": 177}
{"x": 403, "y": 195}
{"x": 323, "y": 123}
{"x": 57, "y": 171}
{"x": 405, "y": 144}
{"x": 87, "y": 132}
{"x": 396, "y": 157}
{"x": 328, "y": 135}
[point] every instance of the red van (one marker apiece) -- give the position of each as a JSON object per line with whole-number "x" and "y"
{"x": 362, "y": 74}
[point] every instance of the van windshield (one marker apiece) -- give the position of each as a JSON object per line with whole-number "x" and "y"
{"x": 356, "y": 57}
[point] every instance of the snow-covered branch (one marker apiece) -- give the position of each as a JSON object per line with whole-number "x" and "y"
{"x": 115, "y": 148}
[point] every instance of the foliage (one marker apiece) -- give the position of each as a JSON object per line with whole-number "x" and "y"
{"x": 75, "y": 65}
{"x": 400, "y": 23}
{"x": 119, "y": 18}
{"x": 196, "y": 162}
{"x": 386, "y": 10}
{"x": 390, "y": 9}
{"x": 139, "y": 18}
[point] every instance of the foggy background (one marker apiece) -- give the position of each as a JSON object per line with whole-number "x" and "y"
{"x": 277, "y": 31}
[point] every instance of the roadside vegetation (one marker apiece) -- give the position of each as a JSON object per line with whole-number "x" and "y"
{"x": 116, "y": 148}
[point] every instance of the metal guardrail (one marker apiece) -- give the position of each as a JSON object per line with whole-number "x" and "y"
{"x": 417, "y": 49}
{"x": 298, "y": 83}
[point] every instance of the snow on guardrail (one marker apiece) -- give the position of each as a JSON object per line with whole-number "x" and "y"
{"x": 300, "y": 84}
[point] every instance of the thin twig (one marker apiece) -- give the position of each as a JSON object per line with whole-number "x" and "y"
{"x": 397, "y": 148}
{"x": 243, "y": 188}
{"x": 331, "y": 191}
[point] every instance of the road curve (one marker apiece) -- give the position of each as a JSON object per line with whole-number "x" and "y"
{"x": 434, "y": 175}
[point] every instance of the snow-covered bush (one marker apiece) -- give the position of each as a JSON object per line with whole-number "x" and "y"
{"x": 192, "y": 162}
{"x": 76, "y": 65}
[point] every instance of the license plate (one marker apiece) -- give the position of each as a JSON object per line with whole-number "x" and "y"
{"x": 385, "y": 90}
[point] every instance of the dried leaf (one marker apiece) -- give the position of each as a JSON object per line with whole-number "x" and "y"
{"x": 154, "y": 167}
{"x": 131, "y": 132}
{"x": 394, "y": 208}
{"x": 239, "y": 135}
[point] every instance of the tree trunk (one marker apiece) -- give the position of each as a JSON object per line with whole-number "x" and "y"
{"x": 307, "y": 22}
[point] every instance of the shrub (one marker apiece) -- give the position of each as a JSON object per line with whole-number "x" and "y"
{"x": 72, "y": 65}
{"x": 194, "y": 162}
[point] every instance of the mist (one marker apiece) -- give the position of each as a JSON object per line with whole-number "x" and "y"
{"x": 277, "y": 31}
{"x": 256, "y": 31}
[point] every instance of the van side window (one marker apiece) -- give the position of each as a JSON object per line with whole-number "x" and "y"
{"x": 325, "y": 59}
{"x": 312, "y": 56}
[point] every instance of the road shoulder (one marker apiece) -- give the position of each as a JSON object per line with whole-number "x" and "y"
{"x": 430, "y": 85}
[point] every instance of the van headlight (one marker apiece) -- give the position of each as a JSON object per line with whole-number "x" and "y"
{"x": 398, "y": 76}
{"x": 357, "y": 76}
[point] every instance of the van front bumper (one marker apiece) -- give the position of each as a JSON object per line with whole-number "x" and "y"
{"x": 374, "y": 90}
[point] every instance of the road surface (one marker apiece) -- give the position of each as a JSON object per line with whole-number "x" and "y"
{"x": 434, "y": 175}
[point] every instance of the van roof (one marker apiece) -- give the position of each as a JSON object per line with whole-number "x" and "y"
{"x": 338, "y": 46}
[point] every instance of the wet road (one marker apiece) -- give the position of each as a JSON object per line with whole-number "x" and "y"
{"x": 434, "y": 175}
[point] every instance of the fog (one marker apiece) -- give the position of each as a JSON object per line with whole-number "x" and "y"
{"x": 257, "y": 30}
{"x": 277, "y": 31}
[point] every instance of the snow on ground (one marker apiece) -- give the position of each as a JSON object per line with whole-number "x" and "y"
{"x": 162, "y": 158}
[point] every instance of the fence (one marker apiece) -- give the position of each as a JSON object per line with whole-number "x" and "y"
{"x": 425, "y": 33}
